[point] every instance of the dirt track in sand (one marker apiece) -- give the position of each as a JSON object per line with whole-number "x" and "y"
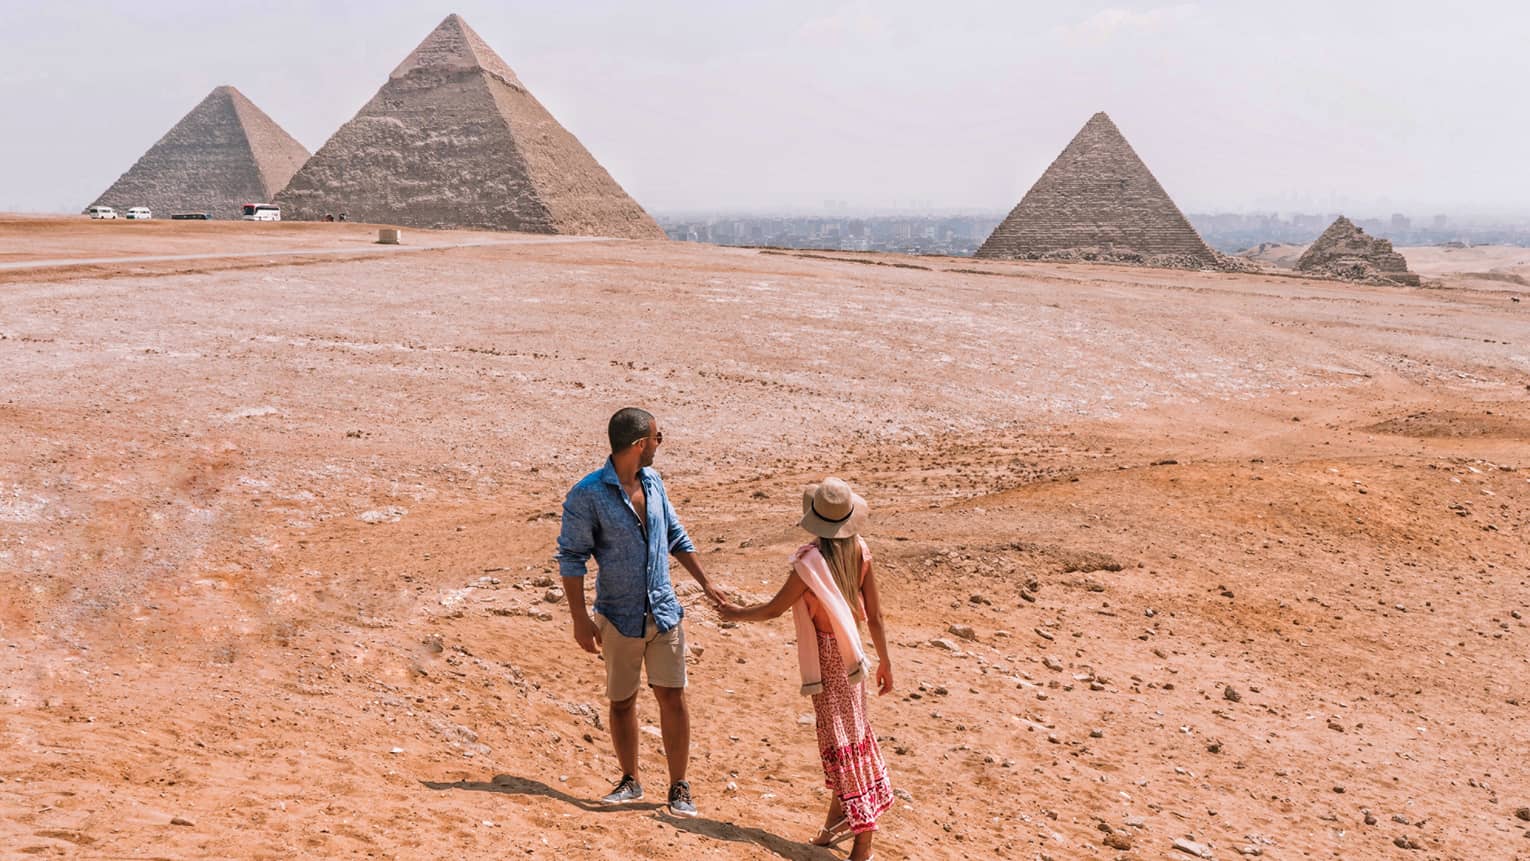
{"x": 1315, "y": 494}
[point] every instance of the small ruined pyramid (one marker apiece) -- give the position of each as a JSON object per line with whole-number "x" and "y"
{"x": 454, "y": 139}
{"x": 1098, "y": 201}
{"x": 1346, "y": 252}
{"x": 223, "y": 154}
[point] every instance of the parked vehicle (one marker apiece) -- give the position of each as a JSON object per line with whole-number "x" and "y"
{"x": 101, "y": 212}
{"x": 262, "y": 212}
{"x": 191, "y": 216}
{"x": 139, "y": 213}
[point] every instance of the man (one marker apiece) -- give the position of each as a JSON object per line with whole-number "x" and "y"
{"x": 620, "y": 515}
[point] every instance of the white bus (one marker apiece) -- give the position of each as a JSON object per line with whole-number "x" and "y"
{"x": 262, "y": 212}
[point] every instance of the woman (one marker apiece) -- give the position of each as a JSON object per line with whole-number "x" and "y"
{"x": 830, "y": 590}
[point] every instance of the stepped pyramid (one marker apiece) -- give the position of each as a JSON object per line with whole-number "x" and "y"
{"x": 1345, "y": 251}
{"x": 223, "y": 154}
{"x": 454, "y": 139}
{"x": 1098, "y": 201}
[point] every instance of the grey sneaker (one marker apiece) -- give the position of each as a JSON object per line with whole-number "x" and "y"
{"x": 627, "y": 790}
{"x": 680, "y": 803}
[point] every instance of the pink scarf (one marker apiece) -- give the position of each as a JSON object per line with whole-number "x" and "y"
{"x": 814, "y": 571}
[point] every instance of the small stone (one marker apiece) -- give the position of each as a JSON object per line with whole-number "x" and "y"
{"x": 1043, "y": 634}
{"x": 1118, "y": 840}
{"x": 1231, "y": 694}
{"x": 1403, "y": 841}
{"x": 1338, "y": 789}
{"x": 963, "y": 631}
{"x": 945, "y": 644}
{"x": 980, "y": 599}
{"x": 1214, "y": 747}
{"x": 1097, "y": 733}
{"x": 553, "y": 595}
{"x": 181, "y": 820}
{"x": 1051, "y": 663}
{"x": 1370, "y": 818}
{"x": 1190, "y": 847}
{"x": 1523, "y": 813}
{"x": 1028, "y": 597}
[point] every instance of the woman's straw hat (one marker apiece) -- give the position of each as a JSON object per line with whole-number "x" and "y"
{"x": 832, "y": 510}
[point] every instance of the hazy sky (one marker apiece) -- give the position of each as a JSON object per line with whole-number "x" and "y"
{"x": 1370, "y": 107}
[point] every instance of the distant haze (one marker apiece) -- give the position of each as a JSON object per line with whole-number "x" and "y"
{"x": 1362, "y": 107}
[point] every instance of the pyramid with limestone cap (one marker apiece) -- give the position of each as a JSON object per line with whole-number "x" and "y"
{"x": 224, "y": 153}
{"x": 453, "y": 139}
{"x": 1099, "y": 201}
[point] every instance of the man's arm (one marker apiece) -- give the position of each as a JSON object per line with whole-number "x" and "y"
{"x": 689, "y": 560}
{"x": 576, "y": 543}
{"x": 684, "y": 551}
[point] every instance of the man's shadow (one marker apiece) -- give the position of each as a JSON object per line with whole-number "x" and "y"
{"x": 509, "y": 784}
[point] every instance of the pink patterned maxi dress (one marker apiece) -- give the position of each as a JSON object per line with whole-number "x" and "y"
{"x": 853, "y": 767}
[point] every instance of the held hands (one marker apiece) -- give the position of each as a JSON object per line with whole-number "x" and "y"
{"x": 884, "y": 678}
{"x": 730, "y": 611}
{"x": 586, "y": 634}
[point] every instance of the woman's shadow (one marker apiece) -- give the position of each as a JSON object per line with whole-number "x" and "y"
{"x": 509, "y": 784}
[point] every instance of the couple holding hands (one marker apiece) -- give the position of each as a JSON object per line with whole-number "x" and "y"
{"x": 620, "y": 515}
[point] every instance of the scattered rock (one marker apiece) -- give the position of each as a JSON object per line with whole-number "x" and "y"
{"x": 963, "y": 631}
{"x": 942, "y": 643}
{"x": 1231, "y": 694}
{"x": 181, "y": 820}
{"x": 1051, "y": 663}
{"x": 1118, "y": 840}
{"x": 1190, "y": 847}
{"x": 980, "y": 599}
{"x": 553, "y": 595}
{"x": 1523, "y": 813}
{"x": 391, "y": 514}
{"x": 1403, "y": 841}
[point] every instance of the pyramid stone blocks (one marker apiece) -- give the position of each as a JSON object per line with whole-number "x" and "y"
{"x": 1346, "y": 252}
{"x": 226, "y": 152}
{"x": 1098, "y": 201}
{"x": 453, "y": 139}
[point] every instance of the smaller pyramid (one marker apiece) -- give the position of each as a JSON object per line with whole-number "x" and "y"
{"x": 226, "y": 152}
{"x": 1098, "y": 201}
{"x": 453, "y": 139}
{"x": 1346, "y": 252}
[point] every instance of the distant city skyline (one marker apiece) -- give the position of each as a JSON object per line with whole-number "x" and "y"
{"x": 1363, "y": 108}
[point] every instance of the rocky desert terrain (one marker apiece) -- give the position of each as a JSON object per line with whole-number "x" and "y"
{"x": 1238, "y": 563}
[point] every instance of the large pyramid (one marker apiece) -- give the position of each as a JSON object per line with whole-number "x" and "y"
{"x": 454, "y": 139}
{"x": 1346, "y": 252}
{"x": 223, "y": 154}
{"x": 1098, "y": 201}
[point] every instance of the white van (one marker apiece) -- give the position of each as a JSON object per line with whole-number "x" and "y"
{"x": 262, "y": 212}
{"x": 101, "y": 212}
{"x": 139, "y": 213}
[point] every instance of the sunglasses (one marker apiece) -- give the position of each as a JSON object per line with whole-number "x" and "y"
{"x": 658, "y": 439}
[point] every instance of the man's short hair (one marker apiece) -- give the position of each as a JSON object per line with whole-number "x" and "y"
{"x": 628, "y": 426}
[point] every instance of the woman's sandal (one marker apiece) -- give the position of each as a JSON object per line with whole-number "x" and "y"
{"x": 830, "y": 835}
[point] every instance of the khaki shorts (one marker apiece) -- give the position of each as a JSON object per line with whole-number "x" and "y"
{"x": 663, "y": 654}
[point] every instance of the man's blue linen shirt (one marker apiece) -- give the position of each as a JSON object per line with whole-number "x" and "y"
{"x": 599, "y": 520}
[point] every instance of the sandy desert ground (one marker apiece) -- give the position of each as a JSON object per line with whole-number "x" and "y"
{"x": 1245, "y": 558}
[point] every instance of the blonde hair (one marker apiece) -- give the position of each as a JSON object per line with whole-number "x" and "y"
{"x": 845, "y": 563}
